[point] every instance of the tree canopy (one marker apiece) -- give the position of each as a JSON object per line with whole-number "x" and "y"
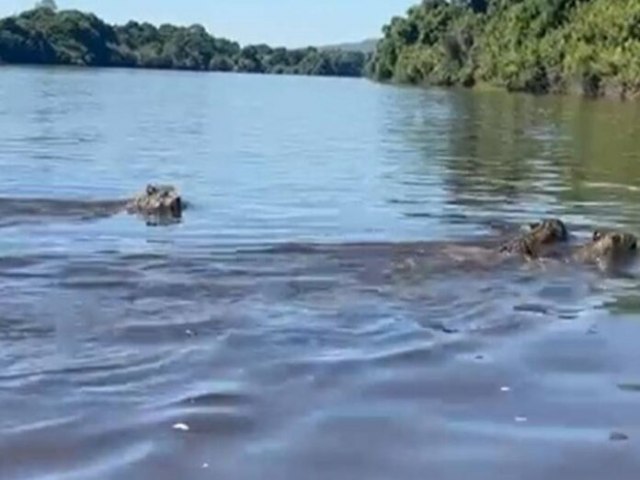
{"x": 50, "y": 4}
{"x": 70, "y": 37}
{"x": 540, "y": 46}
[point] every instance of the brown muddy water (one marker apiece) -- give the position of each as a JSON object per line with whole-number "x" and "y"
{"x": 302, "y": 322}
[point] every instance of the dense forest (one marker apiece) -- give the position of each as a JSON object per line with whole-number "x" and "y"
{"x": 540, "y": 46}
{"x": 46, "y": 36}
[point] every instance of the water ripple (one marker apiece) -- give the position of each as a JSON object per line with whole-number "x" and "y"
{"x": 309, "y": 317}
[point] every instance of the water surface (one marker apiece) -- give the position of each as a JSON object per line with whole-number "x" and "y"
{"x": 300, "y": 321}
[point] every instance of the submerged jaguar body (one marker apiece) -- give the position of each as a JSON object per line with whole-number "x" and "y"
{"x": 549, "y": 239}
{"x": 529, "y": 246}
{"x": 608, "y": 249}
{"x": 546, "y": 243}
{"x": 541, "y": 234}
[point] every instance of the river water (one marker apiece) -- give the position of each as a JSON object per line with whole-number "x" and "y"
{"x": 299, "y": 322}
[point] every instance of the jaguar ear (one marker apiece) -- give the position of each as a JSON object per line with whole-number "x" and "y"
{"x": 564, "y": 232}
{"x": 597, "y": 235}
{"x": 151, "y": 189}
{"x": 535, "y": 225}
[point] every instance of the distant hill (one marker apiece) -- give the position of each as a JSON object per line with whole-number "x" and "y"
{"x": 365, "y": 46}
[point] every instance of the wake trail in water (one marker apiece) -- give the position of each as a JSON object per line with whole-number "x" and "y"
{"x": 17, "y": 211}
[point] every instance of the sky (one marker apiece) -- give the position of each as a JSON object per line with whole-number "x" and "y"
{"x": 291, "y": 23}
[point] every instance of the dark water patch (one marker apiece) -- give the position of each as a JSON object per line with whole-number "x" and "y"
{"x": 97, "y": 283}
{"x": 106, "y": 367}
{"x": 106, "y": 454}
{"x": 532, "y": 308}
{"x": 16, "y": 329}
{"x": 218, "y": 399}
{"x": 21, "y": 262}
{"x": 629, "y": 387}
{"x": 567, "y": 358}
{"x": 618, "y": 437}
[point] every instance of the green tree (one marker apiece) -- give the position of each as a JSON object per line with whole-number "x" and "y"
{"x": 537, "y": 46}
{"x": 44, "y": 35}
{"x": 49, "y": 4}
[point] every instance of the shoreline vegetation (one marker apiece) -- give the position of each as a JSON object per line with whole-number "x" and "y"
{"x": 588, "y": 47}
{"x": 45, "y": 36}
{"x": 585, "y": 47}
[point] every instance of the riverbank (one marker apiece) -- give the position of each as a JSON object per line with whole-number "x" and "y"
{"x": 591, "y": 48}
{"x": 568, "y": 47}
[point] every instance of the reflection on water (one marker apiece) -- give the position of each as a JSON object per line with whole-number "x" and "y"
{"x": 520, "y": 156}
{"x": 307, "y": 318}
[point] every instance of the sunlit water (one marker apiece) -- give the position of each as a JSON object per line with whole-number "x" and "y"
{"x": 299, "y": 323}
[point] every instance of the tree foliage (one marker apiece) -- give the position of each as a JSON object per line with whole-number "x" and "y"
{"x": 540, "y": 46}
{"x": 50, "y": 4}
{"x": 71, "y": 37}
